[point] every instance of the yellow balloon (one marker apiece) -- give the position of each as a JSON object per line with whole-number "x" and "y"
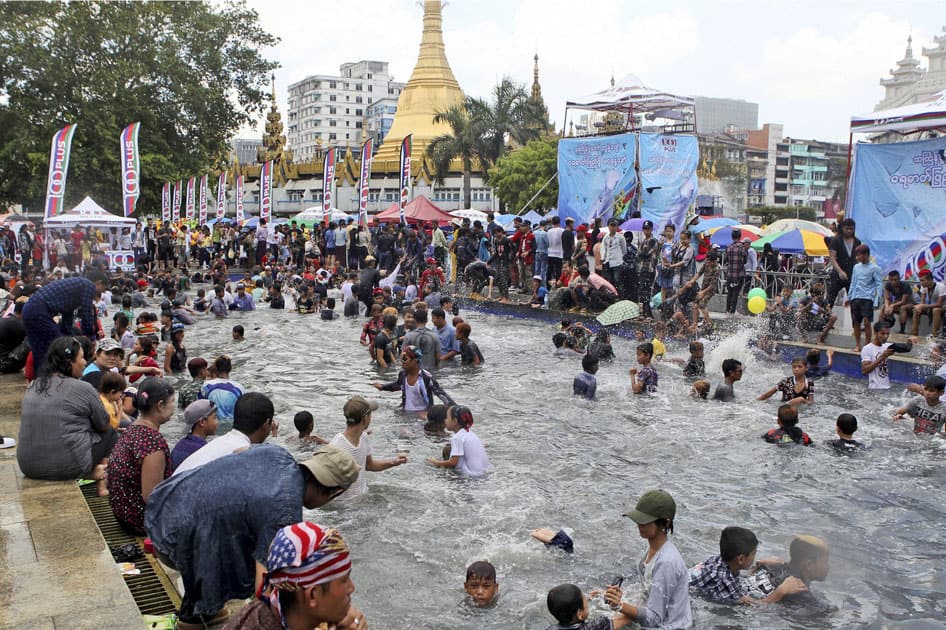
{"x": 756, "y": 304}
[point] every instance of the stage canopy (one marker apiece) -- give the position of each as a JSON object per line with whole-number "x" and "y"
{"x": 419, "y": 210}
{"x": 88, "y": 213}
{"x": 908, "y": 118}
{"x": 630, "y": 94}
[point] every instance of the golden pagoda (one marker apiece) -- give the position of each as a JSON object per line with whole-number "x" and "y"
{"x": 431, "y": 88}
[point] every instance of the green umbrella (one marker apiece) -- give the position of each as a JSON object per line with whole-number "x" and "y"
{"x": 619, "y": 312}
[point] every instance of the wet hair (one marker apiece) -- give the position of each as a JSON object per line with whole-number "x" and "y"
{"x": 813, "y": 357}
{"x": 589, "y": 361}
{"x": 730, "y": 366}
{"x": 389, "y": 322}
{"x": 702, "y": 387}
{"x": 464, "y": 329}
{"x": 438, "y": 312}
{"x": 420, "y": 315}
{"x": 798, "y": 361}
{"x": 252, "y": 411}
{"x": 647, "y": 348}
{"x": 893, "y": 273}
{"x": 436, "y": 416}
{"x": 482, "y": 569}
{"x": 847, "y": 423}
{"x": 559, "y": 339}
{"x": 564, "y": 602}
{"x": 934, "y": 383}
{"x": 222, "y": 364}
{"x": 881, "y": 324}
{"x": 695, "y": 345}
{"x": 126, "y": 301}
{"x": 846, "y": 222}
{"x": 120, "y": 319}
{"x": 196, "y": 365}
{"x": 62, "y": 352}
{"x": 462, "y": 415}
{"x": 788, "y": 419}
{"x": 238, "y": 329}
{"x": 111, "y": 382}
{"x": 152, "y": 392}
{"x": 736, "y": 541}
{"x": 147, "y": 344}
{"x": 330, "y": 303}
{"x": 804, "y": 548}
{"x": 303, "y": 421}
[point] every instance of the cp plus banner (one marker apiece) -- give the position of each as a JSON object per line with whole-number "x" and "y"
{"x": 131, "y": 168}
{"x": 58, "y": 168}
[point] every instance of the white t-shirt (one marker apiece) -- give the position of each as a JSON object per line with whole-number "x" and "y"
{"x": 414, "y": 397}
{"x": 360, "y": 453}
{"x": 879, "y": 377}
{"x": 467, "y": 446}
{"x": 555, "y": 242}
{"x": 930, "y": 297}
{"x": 215, "y": 449}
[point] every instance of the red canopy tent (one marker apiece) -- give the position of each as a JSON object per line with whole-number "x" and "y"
{"x": 419, "y": 210}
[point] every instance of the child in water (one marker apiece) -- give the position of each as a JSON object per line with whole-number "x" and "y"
{"x": 238, "y": 332}
{"x": 787, "y": 431}
{"x": 467, "y": 453}
{"x": 644, "y": 380}
{"x": 305, "y": 425}
{"x": 928, "y": 411}
{"x": 813, "y": 359}
{"x": 569, "y": 606}
{"x": 585, "y": 383}
{"x": 845, "y": 427}
{"x": 796, "y": 389}
{"x": 481, "y": 584}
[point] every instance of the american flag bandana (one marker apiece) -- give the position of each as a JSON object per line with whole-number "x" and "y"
{"x": 303, "y": 555}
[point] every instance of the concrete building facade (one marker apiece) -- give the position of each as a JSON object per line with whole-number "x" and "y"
{"x": 718, "y": 115}
{"x": 908, "y": 83}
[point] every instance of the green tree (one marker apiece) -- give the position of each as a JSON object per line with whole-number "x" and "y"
{"x": 191, "y": 72}
{"x": 464, "y": 142}
{"x": 520, "y": 174}
{"x": 771, "y": 214}
{"x": 510, "y": 115}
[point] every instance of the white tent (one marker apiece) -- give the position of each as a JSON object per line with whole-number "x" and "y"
{"x": 316, "y": 214}
{"x": 88, "y": 213}
{"x": 630, "y": 93}
{"x": 469, "y": 213}
{"x": 908, "y": 118}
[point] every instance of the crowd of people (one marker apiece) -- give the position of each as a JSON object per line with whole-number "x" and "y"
{"x": 97, "y": 348}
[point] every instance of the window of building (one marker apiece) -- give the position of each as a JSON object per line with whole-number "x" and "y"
{"x": 369, "y": 100}
{"x": 331, "y": 123}
{"x": 332, "y": 136}
{"x": 348, "y": 123}
{"x": 332, "y": 98}
{"x": 332, "y": 110}
{"x": 358, "y": 87}
{"x": 358, "y": 125}
{"x": 347, "y": 111}
{"x": 357, "y": 99}
{"x": 332, "y": 84}
{"x": 348, "y": 136}
{"x": 347, "y": 98}
{"x": 371, "y": 88}
{"x": 369, "y": 76}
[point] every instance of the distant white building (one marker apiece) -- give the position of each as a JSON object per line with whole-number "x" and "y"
{"x": 909, "y": 83}
{"x": 718, "y": 115}
{"x": 333, "y": 110}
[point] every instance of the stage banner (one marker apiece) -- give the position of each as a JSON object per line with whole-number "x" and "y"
{"x": 221, "y": 195}
{"x": 363, "y": 182}
{"x": 131, "y": 168}
{"x": 58, "y": 168}
{"x": 176, "y": 202}
{"x": 202, "y": 217}
{"x": 166, "y": 202}
{"x": 239, "y": 199}
{"x": 668, "y": 177}
{"x": 898, "y": 200}
{"x": 405, "y": 171}
{"x": 328, "y": 184}
{"x": 189, "y": 204}
{"x": 266, "y": 190}
{"x": 596, "y": 177}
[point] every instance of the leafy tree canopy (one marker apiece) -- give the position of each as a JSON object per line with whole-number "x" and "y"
{"x": 771, "y": 214}
{"x": 520, "y": 174}
{"x": 191, "y": 72}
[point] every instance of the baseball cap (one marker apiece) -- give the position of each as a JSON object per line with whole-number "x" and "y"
{"x": 240, "y": 285}
{"x": 108, "y": 345}
{"x": 613, "y": 221}
{"x": 746, "y": 239}
{"x": 925, "y": 272}
{"x": 197, "y": 411}
{"x": 652, "y": 506}
{"x": 369, "y": 259}
{"x": 333, "y": 467}
{"x": 358, "y": 407}
{"x": 648, "y": 225}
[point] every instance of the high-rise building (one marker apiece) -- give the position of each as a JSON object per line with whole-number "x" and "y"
{"x": 329, "y": 110}
{"x": 244, "y": 150}
{"x": 379, "y": 119}
{"x": 909, "y": 83}
{"x": 717, "y": 115}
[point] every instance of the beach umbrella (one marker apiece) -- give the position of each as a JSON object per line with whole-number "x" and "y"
{"x": 783, "y": 225}
{"x": 723, "y": 236}
{"x": 472, "y": 215}
{"x": 795, "y": 242}
{"x": 618, "y": 312}
{"x": 633, "y": 225}
{"x": 704, "y": 226}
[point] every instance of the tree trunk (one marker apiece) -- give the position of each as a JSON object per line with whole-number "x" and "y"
{"x": 467, "y": 195}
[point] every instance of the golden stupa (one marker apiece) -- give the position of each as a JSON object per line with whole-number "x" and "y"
{"x": 431, "y": 88}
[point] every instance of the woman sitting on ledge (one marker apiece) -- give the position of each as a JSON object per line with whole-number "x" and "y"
{"x": 64, "y": 429}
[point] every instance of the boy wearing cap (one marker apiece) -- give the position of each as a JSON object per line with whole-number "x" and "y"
{"x": 932, "y": 295}
{"x": 353, "y": 439}
{"x": 200, "y": 422}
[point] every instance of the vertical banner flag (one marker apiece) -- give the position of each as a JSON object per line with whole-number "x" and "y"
{"x": 596, "y": 177}
{"x": 176, "y": 201}
{"x": 363, "y": 182}
{"x": 328, "y": 184}
{"x": 202, "y": 218}
{"x": 221, "y": 195}
{"x": 58, "y": 166}
{"x": 265, "y": 189}
{"x": 131, "y": 168}
{"x": 405, "y": 174}
{"x": 166, "y": 202}
{"x": 239, "y": 199}
{"x": 189, "y": 204}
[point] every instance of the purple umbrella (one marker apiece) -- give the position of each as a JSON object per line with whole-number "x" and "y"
{"x": 633, "y": 225}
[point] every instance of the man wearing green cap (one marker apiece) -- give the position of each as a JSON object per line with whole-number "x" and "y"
{"x": 661, "y": 570}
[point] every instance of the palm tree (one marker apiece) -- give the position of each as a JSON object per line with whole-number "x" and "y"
{"x": 465, "y": 142}
{"x": 511, "y": 116}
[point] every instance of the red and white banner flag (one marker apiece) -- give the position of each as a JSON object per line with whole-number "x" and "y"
{"x": 363, "y": 182}
{"x": 58, "y": 168}
{"x": 131, "y": 168}
{"x": 166, "y": 202}
{"x": 328, "y": 184}
{"x": 266, "y": 190}
{"x": 239, "y": 199}
{"x": 202, "y": 218}
{"x": 405, "y": 171}
{"x": 190, "y": 206}
{"x": 176, "y": 202}
{"x": 221, "y": 195}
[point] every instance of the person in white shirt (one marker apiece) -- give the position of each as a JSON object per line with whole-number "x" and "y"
{"x": 353, "y": 439}
{"x": 555, "y": 249}
{"x": 613, "y": 249}
{"x": 467, "y": 453}
{"x": 252, "y": 423}
{"x": 874, "y": 358}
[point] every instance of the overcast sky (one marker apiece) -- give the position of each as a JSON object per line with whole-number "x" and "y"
{"x": 809, "y": 64}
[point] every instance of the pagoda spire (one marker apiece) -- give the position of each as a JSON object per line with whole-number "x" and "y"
{"x": 274, "y": 142}
{"x": 536, "y": 88}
